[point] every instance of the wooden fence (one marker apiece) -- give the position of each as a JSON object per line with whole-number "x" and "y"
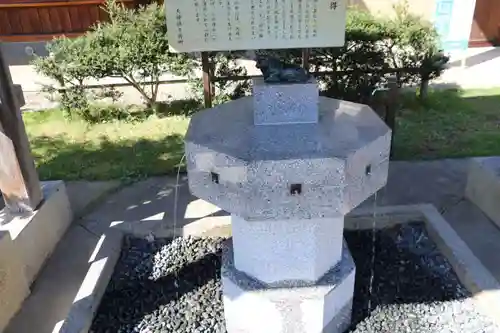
{"x": 37, "y": 20}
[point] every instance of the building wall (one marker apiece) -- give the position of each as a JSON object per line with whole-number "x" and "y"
{"x": 485, "y": 27}
{"x": 40, "y": 20}
{"x": 424, "y": 8}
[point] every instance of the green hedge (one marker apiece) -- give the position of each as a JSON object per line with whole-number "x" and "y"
{"x": 375, "y": 45}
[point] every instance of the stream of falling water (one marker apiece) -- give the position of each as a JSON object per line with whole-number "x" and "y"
{"x": 176, "y": 192}
{"x": 372, "y": 264}
{"x": 176, "y": 199}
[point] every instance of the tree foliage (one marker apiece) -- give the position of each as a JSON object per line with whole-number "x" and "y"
{"x": 374, "y": 46}
{"x": 133, "y": 45}
{"x": 222, "y": 65}
{"x": 63, "y": 66}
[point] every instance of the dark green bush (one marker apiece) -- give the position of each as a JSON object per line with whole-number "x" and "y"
{"x": 222, "y": 64}
{"x": 63, "y": 66}
{"x": 133, "y": 46}
{"x": 178, "y": 107}
{"x": 375, "y": 45}
{"x": 98, "y": 113}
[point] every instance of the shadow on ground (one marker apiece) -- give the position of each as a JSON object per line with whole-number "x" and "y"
{"x": 157, "y": 206}
{"x": 478, "y": 59}
{"x": 160, "y": 205}
{"x": 129, "y": 290}
{"x": 59, "y": 159}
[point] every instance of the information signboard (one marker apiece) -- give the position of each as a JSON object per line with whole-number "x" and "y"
{"x": 216, "y": 25}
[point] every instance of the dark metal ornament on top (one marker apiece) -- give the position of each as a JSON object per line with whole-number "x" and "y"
{"x": 275, "y": 70}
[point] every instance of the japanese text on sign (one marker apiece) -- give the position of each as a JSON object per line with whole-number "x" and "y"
{"x": 213, "y": 25}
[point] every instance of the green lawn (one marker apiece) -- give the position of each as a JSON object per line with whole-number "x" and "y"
{"x": 116, "y": 150}
{"x": 448, "y": 124}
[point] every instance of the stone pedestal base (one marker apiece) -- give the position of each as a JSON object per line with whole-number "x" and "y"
{"x": 273, "y": 251}
{"x": 13, "y": 285}
{"x": 251, "y": 306}
{"x": 35, "y": 235}
{"x": 26, "y": 242}
{"x": 483, "y": 186}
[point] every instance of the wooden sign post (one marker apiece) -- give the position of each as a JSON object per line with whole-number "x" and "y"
{"x": 19, "y": 182}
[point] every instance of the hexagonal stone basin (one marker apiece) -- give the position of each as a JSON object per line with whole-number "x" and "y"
{"x": 175, "y": 286}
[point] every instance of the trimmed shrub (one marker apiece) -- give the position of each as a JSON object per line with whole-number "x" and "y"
{"x": 133, "y": 46}
{"x": 375, "y": 45}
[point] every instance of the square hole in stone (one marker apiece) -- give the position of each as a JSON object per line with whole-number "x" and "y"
{"x": 295, "y": 189}
{"x": 215, "y": 177}
{"x": 368, "y": 170}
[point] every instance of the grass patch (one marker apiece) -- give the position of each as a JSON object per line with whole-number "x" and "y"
{"x": 74, "y": 149}
{"x": 448, "y": 124}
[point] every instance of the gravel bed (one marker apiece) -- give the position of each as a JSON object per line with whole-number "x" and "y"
{"x": 174, "y": 286}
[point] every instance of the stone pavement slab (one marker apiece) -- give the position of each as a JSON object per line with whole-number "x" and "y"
{"x": 84, "y": 193}
{"x": 440, "y": 182}
{"x": 480, "y": 63}
{"x": 57, "y": 283}
{"x": 148, "y": 207}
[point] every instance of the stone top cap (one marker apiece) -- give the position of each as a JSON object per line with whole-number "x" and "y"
{"x": 259, "y": 82}
{"x": 343, "y": 127}
{"x": 285, "y": 102}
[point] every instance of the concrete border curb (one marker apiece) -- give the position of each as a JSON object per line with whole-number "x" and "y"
{"x": 469, "y": 269}
{"x": 97, "y": 200}
{"x": 33, "y": 237}
{"x": 88, "y": 298}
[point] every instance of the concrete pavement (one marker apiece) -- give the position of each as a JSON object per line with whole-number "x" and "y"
{"x": 480, "y": 70}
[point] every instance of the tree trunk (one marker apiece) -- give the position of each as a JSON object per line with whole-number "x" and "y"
{"x": 424, "y": 89}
